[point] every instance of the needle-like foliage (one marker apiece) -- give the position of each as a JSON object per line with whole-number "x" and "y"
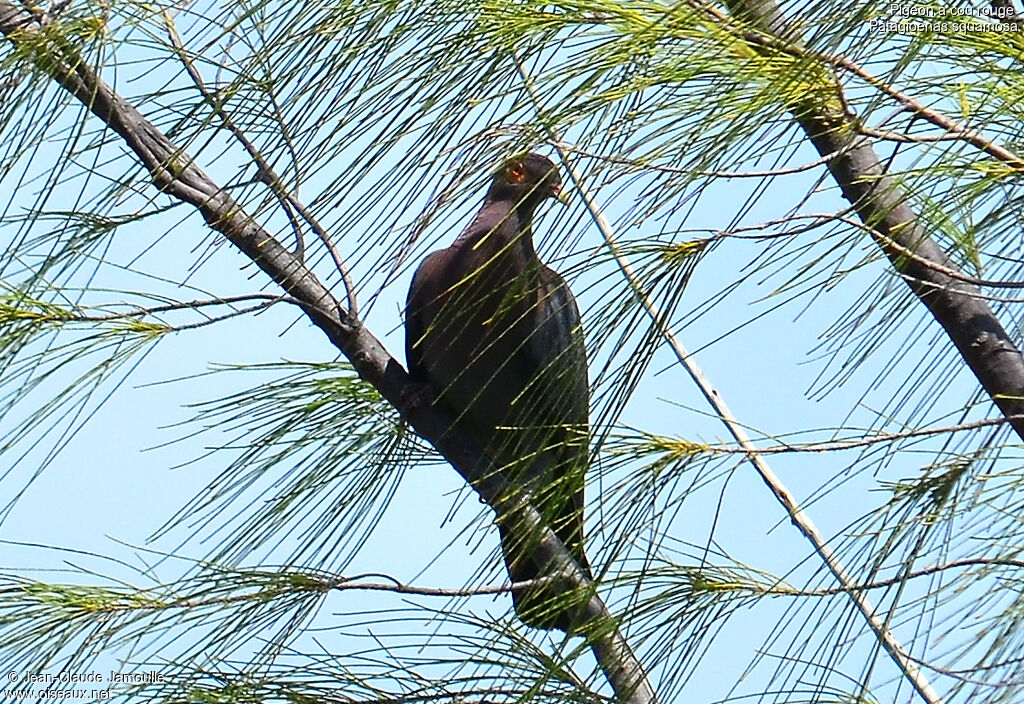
{"x": 819, "y": 203}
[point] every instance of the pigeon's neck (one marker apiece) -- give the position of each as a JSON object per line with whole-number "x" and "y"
{"x": 510, "y": 236}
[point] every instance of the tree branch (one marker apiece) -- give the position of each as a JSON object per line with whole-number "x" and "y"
{"x": 957, "y": 305}
{"x": 266, "y": 172}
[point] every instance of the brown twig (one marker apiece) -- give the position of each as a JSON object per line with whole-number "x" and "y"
{"x": 835, "y": 445}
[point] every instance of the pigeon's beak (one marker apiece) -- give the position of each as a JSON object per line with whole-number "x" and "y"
{"x": 558, "y": 194}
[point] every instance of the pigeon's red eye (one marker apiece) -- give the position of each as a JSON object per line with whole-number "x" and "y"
{"x": 517, "y": 174}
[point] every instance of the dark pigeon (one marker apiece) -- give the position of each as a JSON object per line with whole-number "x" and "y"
{"x": 496, "y": 335}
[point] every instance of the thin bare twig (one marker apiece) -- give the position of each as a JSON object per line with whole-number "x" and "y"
{"x": 645, "y": 166}
{"x": 915, "y": 574}
{"x": 889, "y": 242}
{"x": 305, "y": 583}
{"x": 836, "y": 445}
{"x": 819, "y": 219}
{"x": 890, "y": 136}
{"x": 68, "y": 316}
{"x": 267, "y": 174}
{"x": 769, "y": 173}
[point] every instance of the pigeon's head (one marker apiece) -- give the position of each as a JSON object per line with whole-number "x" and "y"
{"x": 528, "y": 178}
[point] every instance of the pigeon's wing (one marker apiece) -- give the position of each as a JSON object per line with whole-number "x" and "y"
{"x": 557, "y": 352}
{"x": 558, "y": 349}
{"x": 556, "y": 405}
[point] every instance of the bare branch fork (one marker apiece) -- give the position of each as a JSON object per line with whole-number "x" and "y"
{"x": 267, "y": 174}
{"x": 175, "y": 174}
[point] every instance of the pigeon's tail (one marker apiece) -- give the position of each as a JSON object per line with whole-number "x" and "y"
{"x": 554, "y": 606}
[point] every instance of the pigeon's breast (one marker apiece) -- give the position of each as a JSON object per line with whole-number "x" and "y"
{"x": 475, "y": 349}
